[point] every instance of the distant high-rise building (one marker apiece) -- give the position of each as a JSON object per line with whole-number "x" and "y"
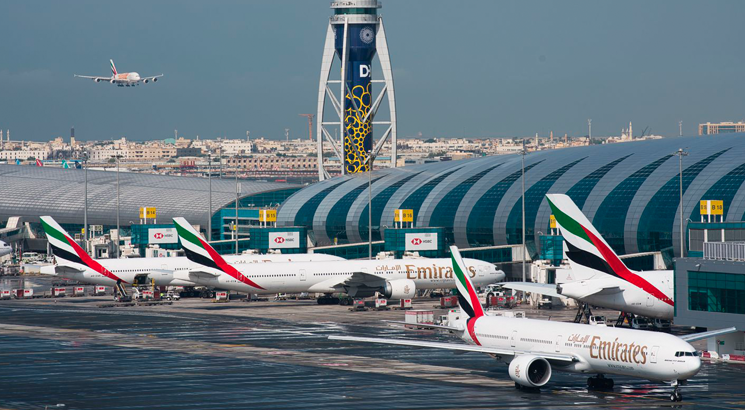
{"x": 720, "y": 127}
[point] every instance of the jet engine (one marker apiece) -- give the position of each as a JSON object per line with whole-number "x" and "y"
{"x": 530, "y": 371}
{"x": 400, "y": 289}
{"x": 155, "y": 79}
{"x": 98, "y": 80}
{"x": 111, "y": 81}
{"x": 146, "y": 81}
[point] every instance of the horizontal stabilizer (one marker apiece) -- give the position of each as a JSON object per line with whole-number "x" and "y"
{"x": 706, "y": 335}
{"x": 540, "y": 288}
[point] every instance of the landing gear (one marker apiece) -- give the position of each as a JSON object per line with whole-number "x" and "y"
{"x": 599, "y": 382}
{"x": 675, "y": 396}
{"x": 328, "y": 299}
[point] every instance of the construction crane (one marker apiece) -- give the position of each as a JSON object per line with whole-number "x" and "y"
{"x": 310, "y": 125}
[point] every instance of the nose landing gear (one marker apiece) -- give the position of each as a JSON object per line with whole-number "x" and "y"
{"x": 675, "y": 396}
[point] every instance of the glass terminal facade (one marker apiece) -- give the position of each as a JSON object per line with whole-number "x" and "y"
{"x": 628, "y": 190}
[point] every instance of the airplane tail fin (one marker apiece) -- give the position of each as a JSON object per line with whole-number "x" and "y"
{"x": 65, "y": 165}
{"x": 18, "y": 161}
{"x": 468, "y": 299}
{"x": 39, "y": 163}
{"x": 113, "y": 68}
{"x": 200, "y": 252}
{"x": 67, "y": 251}
{"x": 588, "y": 253}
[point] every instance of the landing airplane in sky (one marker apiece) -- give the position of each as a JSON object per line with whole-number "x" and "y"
{"x": 395, "y": 278}
{"x": 600, "y": 278}
{"x": 122, "y": 79}
{"x": 74, "y": 263}
{"x": 532, "y": 348}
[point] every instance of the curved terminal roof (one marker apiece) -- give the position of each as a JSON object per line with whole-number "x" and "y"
{"x": 30, "y": 192}
{"x": 629, "y": 190}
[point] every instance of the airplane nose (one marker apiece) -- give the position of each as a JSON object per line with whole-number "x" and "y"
{"x": 690, "y": 368}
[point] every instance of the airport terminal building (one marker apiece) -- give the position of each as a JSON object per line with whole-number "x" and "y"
{"x": 628, "y": 190}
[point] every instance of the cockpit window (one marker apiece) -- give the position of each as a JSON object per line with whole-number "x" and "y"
{"x": 686, "y": 354}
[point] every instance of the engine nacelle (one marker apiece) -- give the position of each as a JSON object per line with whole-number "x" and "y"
{"x": 530, "y": 371}
{"x": 155, "y": 79}
{"x": 111, "y": 81}
{"x": 98, "y": 80}
{"x": 146, "y": 81}
{"x": 400, "y": 289}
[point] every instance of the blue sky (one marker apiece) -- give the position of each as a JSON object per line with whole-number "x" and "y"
{"x": 474, "y": 68}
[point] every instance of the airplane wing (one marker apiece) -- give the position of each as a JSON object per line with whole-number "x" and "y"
{"x": 148, "y": 78}
{"x": 363, "y": 279}
{"x": 426, "y": 325}
{"x": 457, "y": 347}
{"x": 203, "y": 273}
{"x": 540, "y": 288}
{"x": 93, "y": 77}
{"x": 706, "y": 335}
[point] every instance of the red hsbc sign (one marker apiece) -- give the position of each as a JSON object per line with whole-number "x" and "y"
{"x": 162, "y": 235}
{"x": 284, "y": 240}
{"x": 421, "y": 242}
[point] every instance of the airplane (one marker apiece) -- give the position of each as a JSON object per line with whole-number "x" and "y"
{"x": 600, "y": 278}
{"x": 532, "y": 347}
{"x": 122, "y": 79}
{"x": 5, "y": 249}
{"x": 394, "y": 278}
{"x": 73, "y": 262}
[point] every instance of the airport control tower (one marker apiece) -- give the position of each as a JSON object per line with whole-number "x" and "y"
{"x": 355, "y": 34}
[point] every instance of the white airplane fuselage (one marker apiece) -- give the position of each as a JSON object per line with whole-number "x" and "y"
{"x": 629, "y": 298}
{"x": 599, "y": 349}
{"x": 162, "y": 270}
{"x": 325, "y": 277}
{"x": 5, "y": 249}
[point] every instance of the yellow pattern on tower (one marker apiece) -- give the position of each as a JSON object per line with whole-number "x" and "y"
{"x": 357, "y": 130}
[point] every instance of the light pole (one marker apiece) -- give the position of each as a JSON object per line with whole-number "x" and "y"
{"x": 237, "y": 195}
{"x": 209, "y": 207}
{"x": 589, "y": 131}
{"x": 680, "y": 153}
{"x": 117, "y": 206}
{"x": 85, "y": 206}
{"x": 370, "y": 159}
{"x": 522, "y": 171}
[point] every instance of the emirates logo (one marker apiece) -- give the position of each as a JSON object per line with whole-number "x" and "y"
{"x": 416, "y": 241}
{"x": 406, "y": 289}
{"x": 158, "y": 235}
{"x": 279, "y": 239}
{"x": 517, "y": 371}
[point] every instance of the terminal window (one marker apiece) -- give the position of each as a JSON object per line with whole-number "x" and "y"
{"x": 716, "y": 292}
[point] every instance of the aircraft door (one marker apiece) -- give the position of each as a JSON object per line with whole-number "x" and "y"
{"x": 558, "y": 343}
{"x": 653, "y": 354}
{"x": 512, "y": 339}
{"x": 302, "y": 275}
{"x": 650, "y": 300}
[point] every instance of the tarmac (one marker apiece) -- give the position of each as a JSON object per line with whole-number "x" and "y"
{"x": 196, "y": 354}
